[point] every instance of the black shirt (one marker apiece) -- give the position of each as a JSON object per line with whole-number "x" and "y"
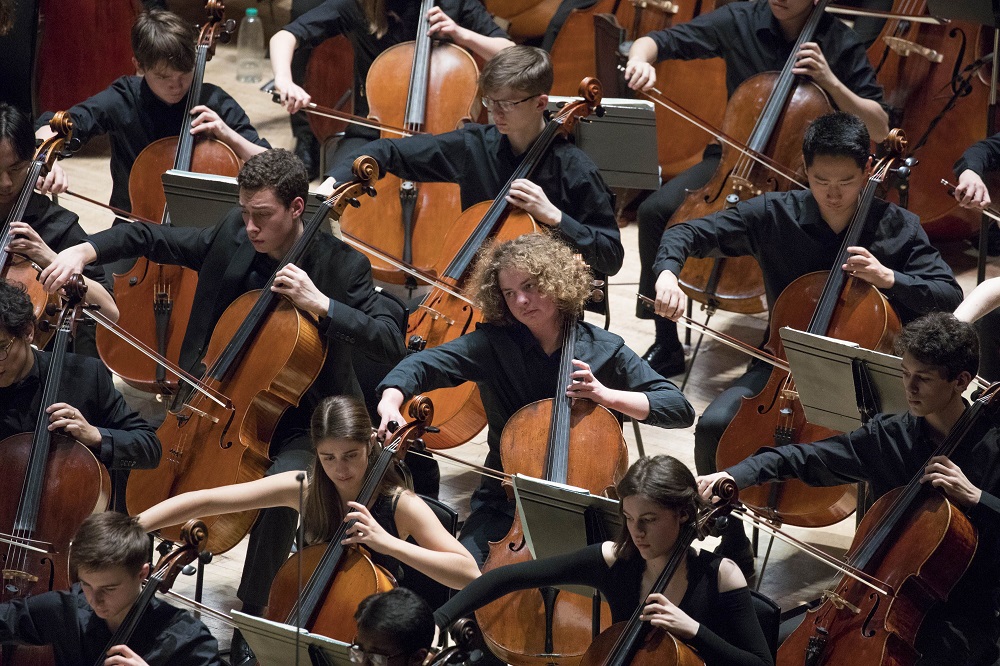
{"x": 887, "y": 452}
{"x": 748, "y": 37}
{"x": 480, "y": 159}
{"x": 346, "y": 17}
{"x": 127, "y": 441}
{"x": 728, "y": 633}
{"x": 511, "y": 370}
{"x": 785, "y": 233}
{"x": 982, "y": 157}
{"x": 165, "y": 636}
{"x": 135, "y": 117}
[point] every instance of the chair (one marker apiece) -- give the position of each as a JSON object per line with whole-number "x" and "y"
{"x": 433, "y": 592}
{"x": 769, "y": 616}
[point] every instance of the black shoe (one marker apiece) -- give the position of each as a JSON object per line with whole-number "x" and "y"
{"x": 739, "y": 551}
{"x": 307, "y": 150}
{"x": 666, "y": 363}
{"x": 992, "y": 241}
{"x": 240, "y": 653}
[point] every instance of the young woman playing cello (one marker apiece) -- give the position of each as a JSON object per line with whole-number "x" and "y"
{"x": 342, "y": 435}
{"x": 707, "y": 603}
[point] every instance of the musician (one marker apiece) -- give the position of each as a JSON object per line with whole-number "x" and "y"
{"x": 138, "y": 110}
{"x": 110, "y": 559}
{"x": 971, "y": 192}
{"x": 372, "y": 26}
{"x": 940, "y": 358}
{"x": 894, "y": 255}
{"x": 395, "y": 626}
{"x": 525, "y": 288}
{"x": 344, "y": 453}
{"x": 707, "y": 602}
{"x": 45, "y": 228}
{"x": 752, "y": 37}
{"x": 566, "y": 192}
{"x": 88, "y": 408}
{"x": 241, "y": 253}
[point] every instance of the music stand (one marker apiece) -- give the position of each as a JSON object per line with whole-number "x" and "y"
{"x": 622, "y": 142}
{"x": 829, "y": 385}
{"x": 984, "y": 12}
{"x": 274, "y": 643}
{"x": 202, "y": 199}
{"x": 559, "y": 519}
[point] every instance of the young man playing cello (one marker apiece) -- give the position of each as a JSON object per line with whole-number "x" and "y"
{"x": 940, "y": 358}
{"x": 110, "y": 559}
{"x": 241, "y": 253}
{"x": 372, "y": 27}
{"x": 895, "y": 257}
{"x": 752, "y": 37}
{"x": 566, "y": 192}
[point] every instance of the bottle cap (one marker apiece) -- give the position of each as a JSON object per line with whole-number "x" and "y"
{"x": 251, "y": 11}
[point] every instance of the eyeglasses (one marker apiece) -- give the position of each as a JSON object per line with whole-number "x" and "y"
{"x": 5, "y": 348}
{"x": 505, "y": 105}
{"x": 360, "y": 656}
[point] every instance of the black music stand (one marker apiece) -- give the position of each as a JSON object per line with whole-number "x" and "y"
{"x": 984, "y": 12}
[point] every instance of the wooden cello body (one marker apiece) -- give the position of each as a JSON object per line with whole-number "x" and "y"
{"x": 330, "y": 82}
{"x": 340, "y": 577}
{"x": 423, "y": 87}
{"x": 938, "y": 102}
{"x": 830, "y": 304}
{"x": 528, "y": 18}
{"x": 158, "y": 298}
{"x": 263, "y": 355}
{"x": 444, "y": 314}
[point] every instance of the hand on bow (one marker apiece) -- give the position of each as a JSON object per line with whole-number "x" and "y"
{"x": 69, "y": 419}
{"x": 663, "y": 613}
{"x": 671, "y": 301}
{"x": 292, "y": 96}
{"x": 863, "y": 264}
{"x": 366, "y": 530}
{"x": 944, "y": 474}
{"x": 295, "y": 283}
{"x": 971, "y": 191}
{"x": 388, "y": 408}
{"x": 24, "y": 240}
{"x": 56, "y": 181}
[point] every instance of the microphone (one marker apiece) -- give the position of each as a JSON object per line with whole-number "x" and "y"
{"x": 299, "y": 540}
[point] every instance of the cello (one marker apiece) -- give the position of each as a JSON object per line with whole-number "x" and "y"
{"x": 574, "y": 442}
{"x": 916, "y": 544}
{"x": 442, "y": 314}
{"x": 736, "y": 284}
{"x": 61, "y": 484}
{"x": 831, "y": 304}
{"x": 263, "y": 354}
{"x": 528, "y": 18}
{"x": 441, "y": 88}
{"x": 16, "y": 268}
{"x": 158, "y": 298}
{"x": 636, "y": 642}
{"x": 340, "y": 577}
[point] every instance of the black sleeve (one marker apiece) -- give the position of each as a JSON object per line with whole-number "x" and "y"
{"x": 424, "y": 158}
{"x": 37, "y": 620}
{"x": 98, "y": 114}
{"x": 180, "y": 246}
{"x": 981, "y": 157}
{"x": 363, "y": 320}
{"x": 233, "y": 115}
{"x": 698, "y": 39}
{"x": 739, "y": 641}
{"x": 582, "y": 567}
{"x": 728, "y": 233}
{"x": 668, "y": 408}
{"x": 184, "y": 642}
{"x": 924, "y": 282}
{"x": 330, "y": 18}
{"x": 591, "y": 225}
{"x": 849, "y": 62}
{"x": 472, "y": 15}
{"x": 127, "y": 440}
{"x": 62, "y": 230}
{"x": 463, "y": 359}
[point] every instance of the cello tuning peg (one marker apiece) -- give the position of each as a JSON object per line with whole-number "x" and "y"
{"x": 51, "y": 309}
{"x": 354, "y": 202}
{"x": 560, "y": 105}
{"x": 44, "y": 326}
{"x": 432, "y": 429}
{"x": 599, "y": 111}
{"x": 370, "y": 191}
{"x": 188, "y": 570}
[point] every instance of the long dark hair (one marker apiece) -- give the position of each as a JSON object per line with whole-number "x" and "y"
{"x": 340, "y": 417}
{"x": 664, "y": 480}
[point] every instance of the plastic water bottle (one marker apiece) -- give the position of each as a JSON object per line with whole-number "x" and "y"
{"x": 250, "y": 48}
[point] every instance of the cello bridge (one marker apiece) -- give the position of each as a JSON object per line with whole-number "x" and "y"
{"x": 743, "y": 189}
{"x": 904, "y": 48}
{"x": 839, "y": 602}
{"x": 435, "y": 315}
{"x": 20, "y": 580}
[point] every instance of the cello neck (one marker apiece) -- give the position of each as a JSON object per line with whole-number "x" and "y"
{"x": 557, "y": 452}
{"x": 416, "y": 100}
{"x": 16, "y": 214}
{"x": 772, "y": 112}
{"x": 185, "y": 140}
